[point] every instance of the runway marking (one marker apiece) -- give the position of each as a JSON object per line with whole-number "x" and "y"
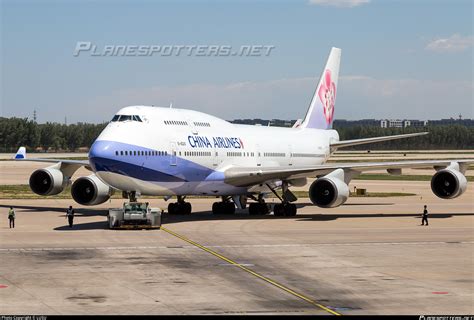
{"x": 266, "y": 279}
{"x": 4, "y": 250}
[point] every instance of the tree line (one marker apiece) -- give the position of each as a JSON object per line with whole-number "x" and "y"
{"x": 15, "y": 132}
{"x": 49, "y": 136}
{"x": 447, "y": 137}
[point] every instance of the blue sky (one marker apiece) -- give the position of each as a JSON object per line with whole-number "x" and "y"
{"x": 400, "y": 59}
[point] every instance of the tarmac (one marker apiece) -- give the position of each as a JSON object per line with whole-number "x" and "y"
{"x": 369, "y": 256}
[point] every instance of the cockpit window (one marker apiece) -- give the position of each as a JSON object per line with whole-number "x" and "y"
{"x": 122, "y": 117}
{"x": 137, "y": 118}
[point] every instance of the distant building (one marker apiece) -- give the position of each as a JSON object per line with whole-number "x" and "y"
{"x": 341, "y": 123}
{"x": 397, "y": 123}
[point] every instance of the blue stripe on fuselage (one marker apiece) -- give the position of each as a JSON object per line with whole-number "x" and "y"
{"x": 102, "y": 157}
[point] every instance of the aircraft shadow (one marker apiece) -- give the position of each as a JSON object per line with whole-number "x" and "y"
{"x": 78, "y": 212}
{"x": 98, "y": 225}
{"x": 309, "y": 204}
{"x": 209, "y": 216}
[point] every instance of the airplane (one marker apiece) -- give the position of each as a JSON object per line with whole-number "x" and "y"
{"x": 170, "y": 152}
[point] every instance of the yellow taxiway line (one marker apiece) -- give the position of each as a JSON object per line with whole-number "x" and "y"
{"x": 268, "y": 280}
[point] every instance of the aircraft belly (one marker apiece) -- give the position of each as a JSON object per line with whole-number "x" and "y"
{"x": 211, "y": 188}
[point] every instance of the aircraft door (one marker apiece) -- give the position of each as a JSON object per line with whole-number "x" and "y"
{"x": 173, "y": 154}
{"x": 191, "y": 125}
{"x": 290, "y": 155}
{"x": 257, "y": 155}
{"x": 215, "y": 157}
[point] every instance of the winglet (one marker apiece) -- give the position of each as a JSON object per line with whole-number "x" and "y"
{"x": 21, "y": 153}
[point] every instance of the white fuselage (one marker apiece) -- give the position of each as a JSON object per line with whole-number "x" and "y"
{"x": 164, "y": 151}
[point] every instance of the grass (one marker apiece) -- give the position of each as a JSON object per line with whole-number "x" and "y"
{"x": 23, "y": 192}
{"x": 333, "y": 160}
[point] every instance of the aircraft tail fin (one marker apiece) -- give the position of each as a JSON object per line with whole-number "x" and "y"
{"x": 21, "y": 153}
{"x": 320, "y": 113}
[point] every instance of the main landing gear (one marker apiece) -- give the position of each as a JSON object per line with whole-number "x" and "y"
{"x": 259, "y": 208}
{"x": 180, "y": 207}
{"x": 285, "y": 208}
{"x": 226, "y": 206}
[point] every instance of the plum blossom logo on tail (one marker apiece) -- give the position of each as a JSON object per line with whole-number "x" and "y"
{"x": 327, "y": 94}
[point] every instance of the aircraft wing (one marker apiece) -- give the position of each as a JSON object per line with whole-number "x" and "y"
{"x": 355, "y": 142}
{"x": 248, "y": 176}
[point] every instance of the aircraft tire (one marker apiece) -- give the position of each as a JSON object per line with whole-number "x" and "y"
{"x": 172, "y": 208}
{"x": 186, "y": 208}
{"x": 217, "y": 208}
{"x": 290, "y": 210}
{"x": 229, "y": 208}
{"x": 253, "y": 209}
{"x": 278, "y": 210}
{"x": 263, "y": 209}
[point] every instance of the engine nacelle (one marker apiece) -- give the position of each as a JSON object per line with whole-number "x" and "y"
{"x": 448, "y": 183}
{"x": 328, "y": 192}
{"x": 90, "y": 191}
{"x": 47, "y": 181}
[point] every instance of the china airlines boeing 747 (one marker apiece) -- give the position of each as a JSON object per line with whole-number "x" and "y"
{"x": 176, "y": 152}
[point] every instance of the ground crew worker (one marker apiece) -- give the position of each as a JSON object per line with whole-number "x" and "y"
{"x": 425, "y": 216}
{"x": 70, "y": 216}
{"x": 11, "y": 217}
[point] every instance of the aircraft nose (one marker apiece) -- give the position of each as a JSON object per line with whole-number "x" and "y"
{"x": 99, "y": 149}
{"x": 99, "y": 152}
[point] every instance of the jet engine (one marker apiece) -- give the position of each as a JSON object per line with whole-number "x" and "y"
{"x": 448, "y": 183}
{"x": 47, "y": 181}
{"x": 90, "y": 191}
{"x": 328, "y": 192}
